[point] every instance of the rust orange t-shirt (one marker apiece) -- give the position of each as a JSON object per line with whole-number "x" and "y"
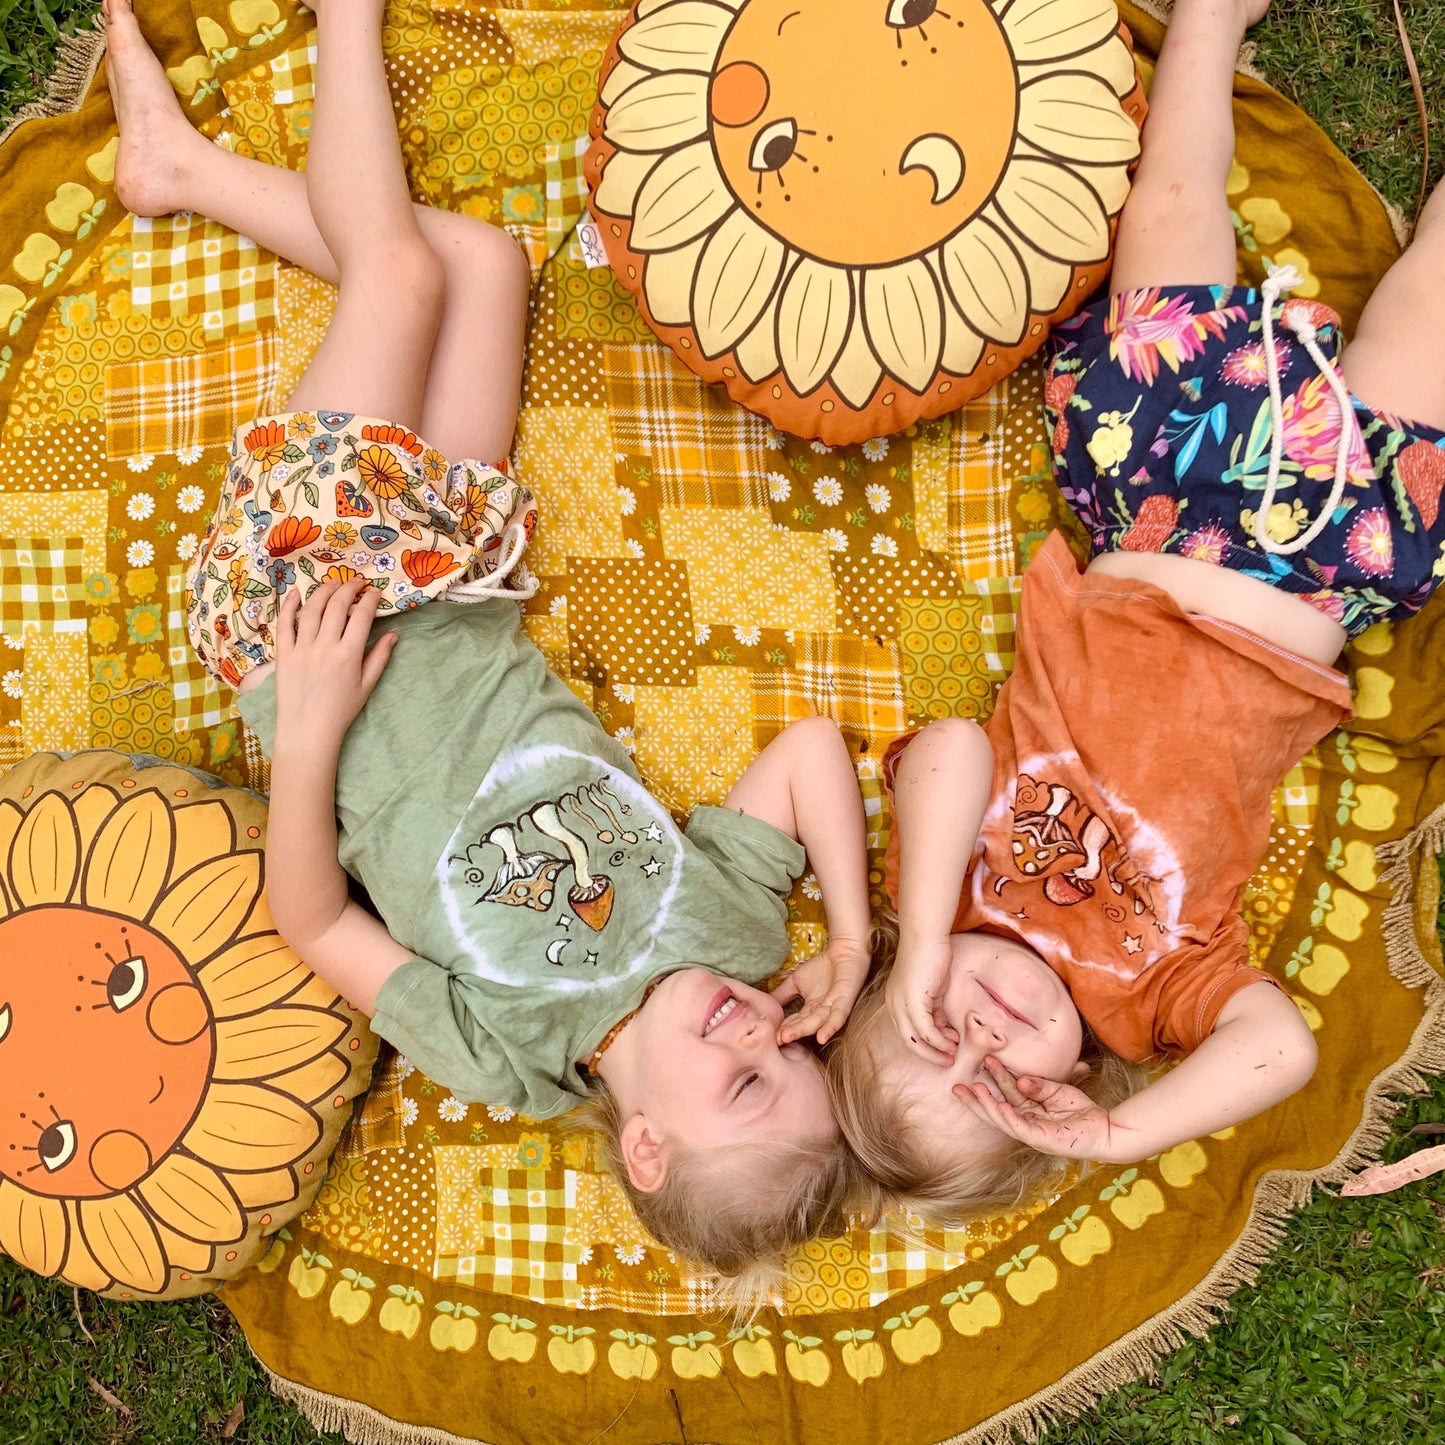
{"x": 1135, "y": 751}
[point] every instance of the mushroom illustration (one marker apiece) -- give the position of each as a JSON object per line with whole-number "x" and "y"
{"x": 592, "y": 895}
{"x": 525, "y": 880}
{"x": 594, "y": 795}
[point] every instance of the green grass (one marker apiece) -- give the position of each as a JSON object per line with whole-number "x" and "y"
{"x": 1341, "y": 1340}
{"x": 30, "y": 31}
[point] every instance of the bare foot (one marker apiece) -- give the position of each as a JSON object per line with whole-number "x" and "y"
{"x": 156, "y": 139}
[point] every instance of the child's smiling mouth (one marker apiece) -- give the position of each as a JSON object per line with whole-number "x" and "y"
{"x": 1008, "y": 1008}
{"x": 724, "y": 1004}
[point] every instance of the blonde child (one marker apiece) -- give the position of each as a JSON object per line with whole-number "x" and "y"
{"x": 546, "y": 933}
{"x": 1068, "y": 879}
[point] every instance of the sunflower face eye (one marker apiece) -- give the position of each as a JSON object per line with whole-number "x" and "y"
{"x": 909, "y": 14}
{"x": 4, "y": 1021}
{"x": 57, "y": 1145}
{"x": 774, "y": 145}
{"x": 127, "y": 982}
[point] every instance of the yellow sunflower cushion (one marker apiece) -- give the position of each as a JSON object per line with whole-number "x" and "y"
{"x": 172, "y": 1078}
{"x": 857, "y": 213}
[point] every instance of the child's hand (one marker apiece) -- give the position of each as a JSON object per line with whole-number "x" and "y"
{"x": 1052, "y": 1117}
{"x": 324, "y": 673}
{"x": 827, "y": 983}
{"x": 914, "y": 994}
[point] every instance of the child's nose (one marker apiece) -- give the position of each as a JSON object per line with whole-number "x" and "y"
{"x": 983, "y": 1031}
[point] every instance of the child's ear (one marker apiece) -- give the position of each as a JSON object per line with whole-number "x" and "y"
{"x": 643, "y": 1154}
{"x": 1079, "y": 1073}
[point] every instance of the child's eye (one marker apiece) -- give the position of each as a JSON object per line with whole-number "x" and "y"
{"x": 745, "y": 1085}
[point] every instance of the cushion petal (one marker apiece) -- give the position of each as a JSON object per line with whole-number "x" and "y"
{"x": 737, "y": 276}
{"x": 131, "y": 857}
{"x": 682, "y": 198}
{"x": 659, "y": 113}
{"x": 1061, "y": 215}
{"x": 903, "y": 313}
{"x": 679, "y": 37}
{"x": 1077, "y": 116}
{"x": 987, "y": 282}
{"x": 45, "y": 855}
{"x": 1055, "y": 29}
{"x": 815, "y": 312}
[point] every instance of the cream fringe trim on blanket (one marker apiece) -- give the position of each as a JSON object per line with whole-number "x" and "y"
{"x": 1277, "y": 1196}
{"x": 78, "y": 61}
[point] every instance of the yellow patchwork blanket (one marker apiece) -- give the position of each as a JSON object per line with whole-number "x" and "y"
{"x": 705, "y": 580}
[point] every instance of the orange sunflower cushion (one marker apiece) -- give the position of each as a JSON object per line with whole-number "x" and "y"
{"x": 172, "y": 1078}
{"x": 857, "y": 213}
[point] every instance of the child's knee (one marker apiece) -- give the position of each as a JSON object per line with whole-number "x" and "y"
{"x": 485, "y": 259}
{"x": 502, "y": 266}
{"x": 412, "y": 275}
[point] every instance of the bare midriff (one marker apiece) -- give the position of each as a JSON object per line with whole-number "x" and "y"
{"x": 1201, "y": 587}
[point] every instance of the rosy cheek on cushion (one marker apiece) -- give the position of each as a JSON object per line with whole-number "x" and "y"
{"x": 739, "y": 94}
{"x": 119, "y": 1158}
{"x": 177, "y": 1014}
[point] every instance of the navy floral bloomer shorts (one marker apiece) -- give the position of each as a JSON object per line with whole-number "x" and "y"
{"x": 1161, "y": 416}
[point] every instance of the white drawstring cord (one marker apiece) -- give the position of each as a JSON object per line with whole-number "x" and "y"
{"x": 1286, "y": 278}
{"x": 480, "y": 589}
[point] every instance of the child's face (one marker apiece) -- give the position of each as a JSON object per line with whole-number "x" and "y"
{"x": 713, "y": 1072}
{"x": 1004, "y": 1002}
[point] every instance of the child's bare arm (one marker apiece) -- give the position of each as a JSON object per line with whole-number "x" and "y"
{"x": 323, "y": 676}
{"x": 803, "y": 783}
{"x": 940, "y": 792}
{"x": 1261, "y": 1051}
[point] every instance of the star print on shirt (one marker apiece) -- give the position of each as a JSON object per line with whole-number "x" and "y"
{"x": 653, "y": 834}
{"x": 652, "y": 867}
{"x": 1132, "y": 943}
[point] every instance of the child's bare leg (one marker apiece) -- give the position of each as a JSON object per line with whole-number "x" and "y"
{"x": 1175, "y": 229}
{"x": 1397, "y": 359}
{"x": 376, "y": 351}
{"x": 164, "y": 164}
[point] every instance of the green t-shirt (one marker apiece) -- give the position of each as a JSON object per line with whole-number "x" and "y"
{"x": 508, "y": 841}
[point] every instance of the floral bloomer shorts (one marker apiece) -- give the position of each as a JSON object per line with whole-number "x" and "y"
{"x": 311, "y": 497}
{"x": 1163, "y": 428}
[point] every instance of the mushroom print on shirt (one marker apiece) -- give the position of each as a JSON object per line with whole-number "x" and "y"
{"x": 506, "y": 840}
{"x": 565, "y": 891}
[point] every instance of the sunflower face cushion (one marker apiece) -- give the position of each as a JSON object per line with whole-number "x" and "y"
{"x": 172, "y": 1077}
{"x": 857, "y": 213}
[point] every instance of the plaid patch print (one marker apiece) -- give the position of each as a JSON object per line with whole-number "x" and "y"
{"x": 40, "y": 585}
{"x": 182, "y": 265}
{"x": 998, "y": 621}
{"x": 516, "y": 1220}
{"x": 197, "y": 697}
{"x": 177, "y": 402}
{"x": 293, "y": 74}
{"x": 961, "y": 493}
{"x": 566, "y": 192}
{"x": 855, "y": 682}
{"x": 703, "y": 448}
{"x": 897, "y": 1261}
{"x": 1296, "y": 797}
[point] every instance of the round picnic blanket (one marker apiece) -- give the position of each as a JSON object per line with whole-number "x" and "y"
{"x": 704, "y": 580}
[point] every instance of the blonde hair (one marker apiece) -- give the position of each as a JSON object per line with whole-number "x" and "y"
{"x": 892, "y": 1140}
{"x": 737, "y": 1210}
